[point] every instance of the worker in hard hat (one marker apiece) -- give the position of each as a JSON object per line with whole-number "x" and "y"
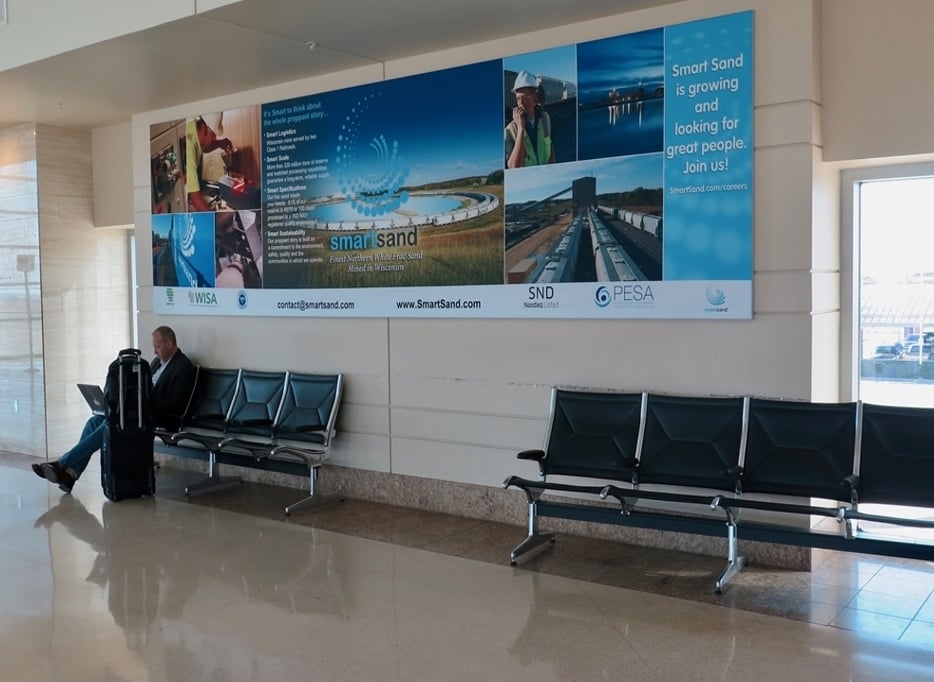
{"x": 200, "y": 139}
{"x": 528, "y": 134}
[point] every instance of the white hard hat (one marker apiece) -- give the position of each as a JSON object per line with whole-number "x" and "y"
{"x": 215, "y": 122}
{"x": 524, "y": 80}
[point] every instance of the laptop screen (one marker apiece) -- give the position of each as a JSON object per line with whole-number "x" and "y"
{"x": 94, "y": 397}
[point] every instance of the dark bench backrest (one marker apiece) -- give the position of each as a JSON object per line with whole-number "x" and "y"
{"x": 214, "y": 395}
{"x": 896, "y": 463}
{"x": 802, "y": 449}
{"x": 309, "y": 407}
{"x": 694, "y": 441}
{"x": 593, "y": 434}
{"x": 256, "y": 403}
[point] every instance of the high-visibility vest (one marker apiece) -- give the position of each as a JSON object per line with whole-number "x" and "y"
{"x": 540, "y": 152}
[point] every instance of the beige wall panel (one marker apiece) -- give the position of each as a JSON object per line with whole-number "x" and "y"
{"x": 782, "y": 292}
{"x": 518, "y": 400}
{"x": 363, "y": 419}
{"x": 782, "y": 236}
{"x": 787, "y": 63}
{"x": 458, "y": 463}
{"x": 262, "y": 343}
{"x": 361, "y": 451}
{"x": 867, "y": 46}
{"x": 671, "y": 356}
{"x": 36, "y": 30}
{"x": 826, "y": 251}
{"x": 85, "y": 276}
{"x": 468, "y": 429}
{"x": 824, "y": 355}
{"x": 788, "y": 123}
{"x": 112, "y": 154}
{"x": 825, "y": 292}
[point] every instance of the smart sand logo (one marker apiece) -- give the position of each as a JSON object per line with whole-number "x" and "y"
{"x": 717, "y": 299}
{"x": 170, "y": 296}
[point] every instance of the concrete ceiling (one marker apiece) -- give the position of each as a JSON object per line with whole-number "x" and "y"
{"x": 255, "y": 43}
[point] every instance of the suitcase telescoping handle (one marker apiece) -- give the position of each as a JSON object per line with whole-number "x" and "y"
{"x": 139, "y": 394}
{"x": 133, "y": 356}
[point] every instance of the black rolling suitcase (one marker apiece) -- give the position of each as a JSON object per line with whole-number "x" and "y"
{"x": 127, "y": 453}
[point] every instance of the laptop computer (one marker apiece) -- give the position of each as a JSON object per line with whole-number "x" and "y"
{"x": 94, "y": 396}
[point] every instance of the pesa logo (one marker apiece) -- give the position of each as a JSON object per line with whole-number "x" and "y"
{"x": 623, "y": 294}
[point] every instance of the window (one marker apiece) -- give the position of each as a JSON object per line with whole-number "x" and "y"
{"x": 889, "y": 261}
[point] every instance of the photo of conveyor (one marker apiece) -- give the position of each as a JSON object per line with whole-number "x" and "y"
{"x": 183, "y": 249}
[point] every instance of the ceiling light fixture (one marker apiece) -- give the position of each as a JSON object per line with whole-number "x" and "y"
{"x": 311, "y": 45}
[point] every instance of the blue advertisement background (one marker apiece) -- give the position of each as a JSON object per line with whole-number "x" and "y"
{"x": 708, "y": 195}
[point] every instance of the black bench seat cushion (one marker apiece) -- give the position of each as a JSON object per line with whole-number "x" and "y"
{"x": 692, "y": 441}
{"x": 802, "y": 449}
{"x": 897, "y": 456}
{"x": 256, "y": 403}
{"x": 309, "y": 407}
{"x": 592, "y": 434}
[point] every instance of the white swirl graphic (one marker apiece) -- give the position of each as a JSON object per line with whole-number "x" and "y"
{"x": 369, "y": 181}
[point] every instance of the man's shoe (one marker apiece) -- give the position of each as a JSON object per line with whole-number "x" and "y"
{"x": 55, "y": 473}
{"x": 37, "y": 470}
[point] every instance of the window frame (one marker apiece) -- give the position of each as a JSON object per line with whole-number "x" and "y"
{"x": 850, "y": 185}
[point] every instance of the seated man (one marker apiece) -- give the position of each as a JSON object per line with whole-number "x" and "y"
{"x": 173, "y": 378}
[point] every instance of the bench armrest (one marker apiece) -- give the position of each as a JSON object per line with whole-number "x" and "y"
{"x": 311, "y": 428}
{"x": 251, "y": 422}
{"x": 534, "y": 455}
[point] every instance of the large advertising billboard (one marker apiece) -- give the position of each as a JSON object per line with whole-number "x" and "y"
{"x": 607, "y": 179}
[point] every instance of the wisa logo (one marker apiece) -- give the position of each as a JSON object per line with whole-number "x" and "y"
{"x": 202, "y": 297}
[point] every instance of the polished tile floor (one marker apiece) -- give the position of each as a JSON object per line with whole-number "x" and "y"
{"x": 225, "y": 588}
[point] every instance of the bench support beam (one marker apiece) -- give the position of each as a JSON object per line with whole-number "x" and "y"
{"x": 314, "y": 501}
{"x": 534, "y": 539}
{"x": 214, "y": 481}
{"x": 735, "y": 562}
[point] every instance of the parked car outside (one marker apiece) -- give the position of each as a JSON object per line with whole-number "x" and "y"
{"x": 888, "y": 352}
{"x": 916, "y": 352}
{"x": 916, "y": 338}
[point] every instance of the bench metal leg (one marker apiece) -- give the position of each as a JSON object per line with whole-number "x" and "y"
{"x": 314, "y": 501}
{"x": 534, "y": 539}
{"x": 735, "y": 562}
{"x": 214, "y": 481}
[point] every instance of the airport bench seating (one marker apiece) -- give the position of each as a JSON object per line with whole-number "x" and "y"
{"x": 695, "y": 464}
{"x": 263, "y": 415}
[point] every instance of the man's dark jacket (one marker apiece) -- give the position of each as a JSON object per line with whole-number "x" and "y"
{"x": 170, "y": 394}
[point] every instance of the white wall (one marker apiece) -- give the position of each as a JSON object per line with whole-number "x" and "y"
{"x": 112, "y": 159}
{"x": 454, "y": 400}
{"x": 35, "y": 29}
{"x": 85, "y": 282}
{"x": 877, "y": 71}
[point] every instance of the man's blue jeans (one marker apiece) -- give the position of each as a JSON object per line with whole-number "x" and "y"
{"x": 92, "y": 438}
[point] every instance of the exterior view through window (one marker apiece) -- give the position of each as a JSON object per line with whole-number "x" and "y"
{"x": 895, "y": 256}
{"x": 893, "y": 307}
